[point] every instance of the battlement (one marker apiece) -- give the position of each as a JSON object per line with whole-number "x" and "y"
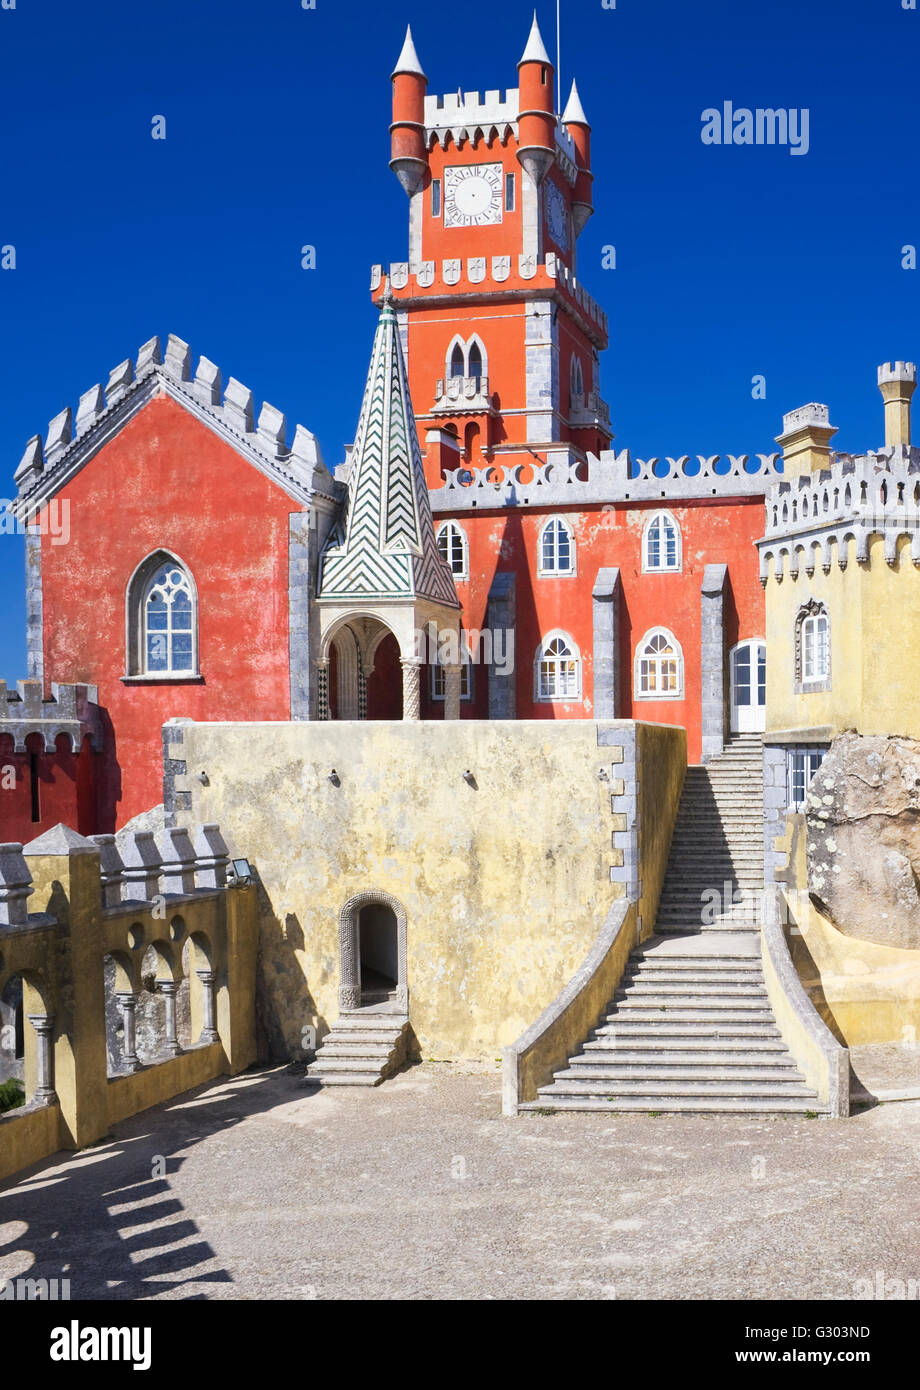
{"x": 805, "y": 416}
{"x": 817, "y": 517}
{"x": 230, "y": 410}
{"x": 553, "y": 273}
{"x": 73, "y": 710}
{"x": 459, "y": 114}
{"x": 568, "y": 479}
{"x": 897, "y": 371}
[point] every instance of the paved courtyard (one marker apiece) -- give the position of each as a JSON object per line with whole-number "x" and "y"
{"x": 256, "y": 1188}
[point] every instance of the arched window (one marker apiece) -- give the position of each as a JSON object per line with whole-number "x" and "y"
{"x": 439, "y": 676}
{"x": 466, "y": 358}
{"x": 457, "y": 361}
{"x": 476, "y": 362}
{"x": 661, "y": 547}
{"x": 556, "y": 548}
{"x": 659, "y": 667}
{"x": 576, "y": 378}
{"x": 454, "y": 549}
{"x": 812, "y": 648}
{"x": 557, "y": 669}
{"x": 162, "y": 619}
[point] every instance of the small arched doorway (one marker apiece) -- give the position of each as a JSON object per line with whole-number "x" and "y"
{"x": 372, "y": 944}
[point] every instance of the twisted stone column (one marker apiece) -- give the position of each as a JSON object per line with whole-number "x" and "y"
{"x": 412, "y": 688}
{"x": 169, "y": 989}
{"x": 209, "y": 1032}
{"x": 128, "y": 1003}
{"x": 44, "y": 1027}
{"x": 322, "y": 687}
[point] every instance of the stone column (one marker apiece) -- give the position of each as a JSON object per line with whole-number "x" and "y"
{"x": 412, "y": 688}
{"x": 168, "y": 989}
{"x": 605, "y": 604}
{"x": 452, "y": 692}
{"x": 44, "y": 1027}
{"x": 322, "y": 687}
{"x": 209, "y": 1032}
{"x": 712, "y": 660}
{"x": 128, "y": 1003}
{"x": 362, "y": 691}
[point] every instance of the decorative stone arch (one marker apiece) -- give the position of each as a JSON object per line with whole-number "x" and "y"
{"x": 135, "y": 657}
{"x": 350, "y": 948}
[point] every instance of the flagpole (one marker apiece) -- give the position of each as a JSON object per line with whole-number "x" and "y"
{"x": 558, "y": 59}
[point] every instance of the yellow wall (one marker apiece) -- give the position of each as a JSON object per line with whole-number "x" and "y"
{"x": 505, "y": 884}
{"x": 875, "y": 661}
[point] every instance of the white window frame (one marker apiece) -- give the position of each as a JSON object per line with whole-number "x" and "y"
{"x": 465, "y": 345}
{"x": 136, "y": 597}
{"x": 816, "y": 643}
{"x": 555, "y": 573}
{"x": 810, "y": 758}
{"x": 557, "y": 635}
{"x": 439, "y": 678}
{"x": 669, "y": 696}
{"x": 455, "y": 527}
{"x": 647, "y": 566}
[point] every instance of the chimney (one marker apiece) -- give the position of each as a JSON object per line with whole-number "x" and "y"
{"x": 897, "y": 382}
{"x": 805, "y": 440}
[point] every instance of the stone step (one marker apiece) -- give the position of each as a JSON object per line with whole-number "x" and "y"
{"x": 369, "y": 1048}
{"x": 684, "y": 1013}
{"x": 325, "y": 1077}
{"x": 694, "y": 1069}
{"x": 636, "y": 1032}
{"x": 697, "y": 1105}
{"x": 685, "y": 1052}
{"x": 719, "y": 975}
{"x": 675, "y": 1090}
{"x": 663, "y": 991}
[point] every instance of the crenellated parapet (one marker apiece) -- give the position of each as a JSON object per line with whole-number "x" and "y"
{"x": 830, "y": 516}
{"x": 73, "y": 710}
{"x": 230, "y": 410}
{"x": 521, "y": 273}
{"x": 566, "y": 478}
{"x": 140, "y": 867}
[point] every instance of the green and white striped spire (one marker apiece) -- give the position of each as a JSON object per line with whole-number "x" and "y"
{"x": 386, "y": 546}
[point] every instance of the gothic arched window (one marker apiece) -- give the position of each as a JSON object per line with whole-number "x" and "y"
{"x": 661, "y": 544}
{"x": 453, "y": 549}
{"x": 556, "y": 548}
{"x": 162, "y": 619}
{"x": 659, "y": 667}
{"x": 557, "y": 669}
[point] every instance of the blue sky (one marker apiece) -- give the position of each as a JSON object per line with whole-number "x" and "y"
{"x": 731, "y": 261}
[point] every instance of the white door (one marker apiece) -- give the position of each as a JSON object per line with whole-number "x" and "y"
{"x": 749, "y": 687}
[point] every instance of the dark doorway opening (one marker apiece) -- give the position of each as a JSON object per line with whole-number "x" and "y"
{"x": 379, "y": 953}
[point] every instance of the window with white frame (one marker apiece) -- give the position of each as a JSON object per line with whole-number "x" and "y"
{"x": 454, "y": 549}
{"x": 467, "y": 358}
{"x": 661, "y": 544}
{"x": 812, "y": 648}
{"x": 439, "y": 679}
{"x": 659, "y": 667}
{"x": 457, "y": 361}
{"x": 801, "y": 766}
{"x": 556, "y": 548}
{"x": 162, "y": 619}
{"x": 557, "y": 669}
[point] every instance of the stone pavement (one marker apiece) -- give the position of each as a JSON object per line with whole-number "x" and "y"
{"x": 255, "y": 1188}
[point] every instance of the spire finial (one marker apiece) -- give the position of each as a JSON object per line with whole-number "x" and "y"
{"x": 535, "y": 52}
{"x": 386, "y": 299}
{"x": 574, "y": 113}
{"x": 408, "y": 60}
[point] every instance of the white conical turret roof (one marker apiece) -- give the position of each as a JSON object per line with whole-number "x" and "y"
{"x": 535, "y": 52}
{"x": 408, "y": 59}
{"x": 574, "y": 113}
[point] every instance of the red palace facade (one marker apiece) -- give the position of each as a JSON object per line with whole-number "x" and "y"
{"x": 613, "y": 587}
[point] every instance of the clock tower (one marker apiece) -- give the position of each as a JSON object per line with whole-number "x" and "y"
{"x": 501, "y": 339}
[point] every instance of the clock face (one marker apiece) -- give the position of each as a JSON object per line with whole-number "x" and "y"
{"x": 557, "y": 215}
{"x": 472, "y": 195}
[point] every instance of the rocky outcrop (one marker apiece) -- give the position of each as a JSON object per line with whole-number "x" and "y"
{"x": 863, "y": 840}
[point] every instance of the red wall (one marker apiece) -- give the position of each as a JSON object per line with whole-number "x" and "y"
{"x": 720, "y": 532}
{"x": 66, "y": 789}
{"x": 166, "y": 481}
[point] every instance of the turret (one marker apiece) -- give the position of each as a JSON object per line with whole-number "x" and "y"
{"x": 536, "y": 118}
{"x": 897, "y": 382}
{"x": 576, "y": 122}
{"x": 408, "y": 148}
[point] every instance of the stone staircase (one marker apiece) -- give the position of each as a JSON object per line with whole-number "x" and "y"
{"x": 717, "y": 845}
{"x": 364, "y": 1047}
{"x": 690, "y": 1028}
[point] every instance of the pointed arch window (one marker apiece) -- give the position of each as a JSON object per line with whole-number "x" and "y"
{"x": 162, "y": 620}
{"x": 659, "y": 667}
{"x": 661, "y": 544}
{"x": 453, "y": 548}
{"x": 576, "y": 378}
{"x": 457, "y": 361}
{"x": 556, "y": 548}
{"x": 476, "y": 362}
{"x": 557, "y": 669}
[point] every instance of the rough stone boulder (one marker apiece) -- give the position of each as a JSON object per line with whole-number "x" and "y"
{"x": 863, "y": 838}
